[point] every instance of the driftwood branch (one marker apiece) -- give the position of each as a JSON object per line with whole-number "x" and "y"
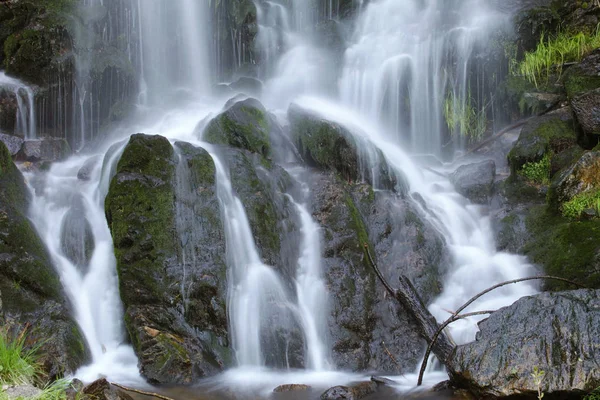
{"x": 409, "y": 298}
{"x": 455, "y": 316}
{"x": 150, "y": 394}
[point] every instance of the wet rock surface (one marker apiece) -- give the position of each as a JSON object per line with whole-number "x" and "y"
{"x": 13, "y": 143}
{"x": 30, "y": 290}
{"x": 353, "y": 392}
{"x": 475, "y": 181}
{"x": 558, "y": 333}
{"x": 174, "y": 307}
{"x": 44, "y": 150}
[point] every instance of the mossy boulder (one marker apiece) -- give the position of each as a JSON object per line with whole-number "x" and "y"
{"x": 563, "y": 247}
{"x": 331, "y": 147}
{"x": 475, "y": 181}
{"x": 244, "y": 125}
{"x": 174, "y": 300}
{"x": 31, "y": 296}
{"x": 540, "y": 137}
{"x": 580, "y": 178}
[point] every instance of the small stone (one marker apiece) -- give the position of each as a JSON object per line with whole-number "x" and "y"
{"x": 291, "y": 388}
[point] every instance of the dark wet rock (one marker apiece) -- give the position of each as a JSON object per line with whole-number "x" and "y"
{"x": 291, "y": 388}
{"x": 244, "y": 125}
{"x": 248, "y": 85}
{"x": 582, "y": 177}
{"x": 330, "y": 146}
{"x": 584, "y": 76}
{"x": 174, "y": 306}
{"x": 103, "y": 390}
{"x": 77, "y": 238}
{"x": 587, "y": 111}
{"x": 30, "y": 291}
{"x": 557, "y": 333}
{"x": 261, "y": 186}
{"x": 8, "y": 110}
{"x": 550, "y": 134}
{"x": 511, "y": 232}
{"x": 475, "y": 181}
{"x": 85, "y": 172}
{"x": 353, "y": 392}
{"x": 47, "y": 149}
{"x": 13, "y": 143}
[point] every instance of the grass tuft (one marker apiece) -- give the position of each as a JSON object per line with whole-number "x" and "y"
{"x": 17, "y": 364}
{"x": 463, "y": 118}
{"x": 578, "y": 204}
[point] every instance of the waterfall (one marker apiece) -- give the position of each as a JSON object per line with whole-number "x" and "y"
{"x": 26, "y": 122}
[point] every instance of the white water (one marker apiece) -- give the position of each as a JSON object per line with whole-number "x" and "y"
{"x": 391, "y": 48}
{"x": 26, "y": 117}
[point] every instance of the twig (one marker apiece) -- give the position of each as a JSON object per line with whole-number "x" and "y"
{"x": 456, "y": 317}
{"x": 158, "y": 396}
{"x": 389, "y": 354}
{"x": 378, "y": 272}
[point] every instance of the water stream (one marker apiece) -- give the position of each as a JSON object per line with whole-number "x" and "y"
{"x": 388, "y": 90}
{"x": 25, "y": 117}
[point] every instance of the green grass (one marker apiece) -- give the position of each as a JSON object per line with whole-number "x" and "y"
{"x": 575, "y": 207}
{"x": 554, "y": 51}
{"x": 17, "y": 364}
{"x": 463, "y": 118}
{"x": 594, "y": 395}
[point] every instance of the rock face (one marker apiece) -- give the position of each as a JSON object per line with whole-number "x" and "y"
{"x": 174, "y": 306}
{"x": 328, "y": 145}
{"x": 559, "y": 333}
{"x": 582, "y": 177}
{"x": 44, "y": 150}
{"x": 475, "y": 181}
{"x": 13, "y": 143}
{"x": 243, "y": 125}
{"x": 30, "y": 290}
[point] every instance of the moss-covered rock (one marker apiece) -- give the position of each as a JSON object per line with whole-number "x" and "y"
{"x": 31, "y": 296}
{"x": 244, "y": 125}
{"x": 581, "y": 177}
{"x": 564, "y": 248}
{"x": 331, "y": 147}
{"x": 164, "y": 217}
{"x": 541, "y": 136}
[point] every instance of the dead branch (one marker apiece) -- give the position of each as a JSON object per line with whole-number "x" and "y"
{"x": 150, "y": 394}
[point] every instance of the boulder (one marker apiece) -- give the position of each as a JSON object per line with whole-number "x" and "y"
{"x": 291, "y": 388}
{"x": 475, "y": 181}
{"x": 164, "y": 217}
{"x": 541, "y": 136}
{"x": 103, "y": 390}
{"x": 47, "y": 149}
{"x": 583, "y": 177}
{"x": 244, "y": 125}
{"x": 21, "y": 392}
{"x": 331, "y": 147}
{"x": 586, "y": 108}
{"x": 557, "y": 334}
{"x": 13, "y": 143}
{"x": 77, "y": 237}
{"x": 31, "y": 297}
{"x": 248, "y": 85}
{"x": 353, "y": 392}
{"x": 85, "y": 172}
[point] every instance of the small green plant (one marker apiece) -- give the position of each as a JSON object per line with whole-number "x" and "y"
{"x": 594, "y": 395}
{"x": 538, "y": 172}
{"x": 17, "y": 364}
{"x": 538, "y": 377}
{"x": 55, "y": 391}
{"x": 578, "y": 204}
{"x": 462, "y": 117}
{"x": 553, "y": 52}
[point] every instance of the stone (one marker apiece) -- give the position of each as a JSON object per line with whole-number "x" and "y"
{"x": 244, "y": 124}
{"x": 582, "y": 177}
{"x": 13, "y": 143}
{"x": 85, "y": 172}
{"x": 291, "y": 388}
{"x": 557, "y": 333}
{"x": 101, "y": 389}
{"x": 77, "y": 237}
{"x": 586, "y": 108}
{"x": 21, "y": 392}
{"x": 353, "y": 392}
{"x": 475, "y": 181}
{"x": 247, "y": 85}
{"x": 47, "y": 149}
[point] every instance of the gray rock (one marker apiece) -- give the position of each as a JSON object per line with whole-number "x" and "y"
{"x": 558, "y": 333}
{"x": 250, "y": 86}
{"x": 22, "y": 391}
{"x": 84, "y": 173}
{"x": 77, "y": 238}
{"x": 586, "y": 108}
{"x": 475, "y": 181}
{"x": 13, "y": 143}
{"x": 353, "y": 392}
{"x": 582, "y": 177}
{"x": 103, "y": 390}
{"x": 291, "y": 388}
{"x": 48, "y": 149}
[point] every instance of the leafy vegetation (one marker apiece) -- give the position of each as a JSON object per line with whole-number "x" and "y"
{"x": 594, "y": 395}
{"x": 578, "y": 204}
{"x": 538, "y": 172}
{"x": 462, "y": 117}
{"x": 553, "y": 52}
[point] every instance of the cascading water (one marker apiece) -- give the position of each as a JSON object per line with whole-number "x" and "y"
{"x": 398, "y": 71}
{"x": 26, "y": 116}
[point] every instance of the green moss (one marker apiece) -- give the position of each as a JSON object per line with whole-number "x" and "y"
{"x": 564, "y": 248}
{"x": 576, "y": 84}
{"x": 360, "y": 229}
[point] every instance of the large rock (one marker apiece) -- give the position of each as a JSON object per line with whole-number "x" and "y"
{"x": 44, "y": 150}
{"x": 475, "y": 181}
{"x": 331, "y": 147}
{"x": 353, "y": 392}
{"x": 547, "y": 135}
{"x": 77, "y": 238}
{"x": 245, "y": 125}
{"x": 587, "y": 111}
{"x": 557, "y": 333}
{"x": 31, "y": 297}
{"x": 169, "y": 247}
{"x": 13, "y": 143}
{"x": 583, "y": 177}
